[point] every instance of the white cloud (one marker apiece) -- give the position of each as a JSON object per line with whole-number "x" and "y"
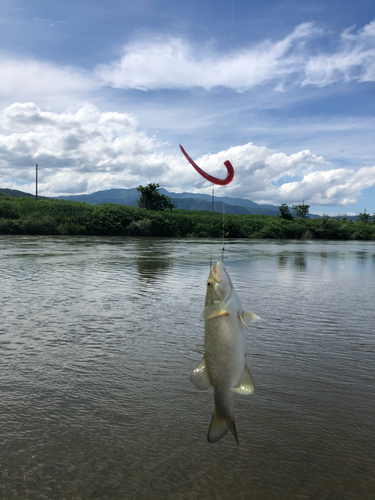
{"x": 83, "y": 150}
{"x": 261, "y": 176}
{"x": 78, "y": 150}
{"x": 354, "y": 60}
{"x": 174, "y": 63}
{"x": 166, "y": 62}
{"x": 330, "y": 187}
{"x": 29, "y": 79}
{"x": 259, "y": 167}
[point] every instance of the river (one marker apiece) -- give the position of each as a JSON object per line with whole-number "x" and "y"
{"x": 98, "y": 337}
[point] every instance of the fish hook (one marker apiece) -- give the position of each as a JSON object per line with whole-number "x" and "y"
{"x": 215, "y": 180}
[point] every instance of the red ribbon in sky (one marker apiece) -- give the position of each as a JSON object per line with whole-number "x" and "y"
{"x": 215, "y": 180}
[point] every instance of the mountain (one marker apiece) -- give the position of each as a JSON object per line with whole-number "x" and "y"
{"x": 241, "y": 202}
{"x": 219, "y": 206}
{"x": 186, "y": 201}
{"x": 16, "y": 193}
{"x": 207, "y": 197}
{"x": 120, "y": 196}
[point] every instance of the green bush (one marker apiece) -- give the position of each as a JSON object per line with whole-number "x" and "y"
{"x": 142, "y": 227}
{"x": 49, "y": 216}
{"x": 10, "y": 226}
{"x": 33, "y": 224}
{"x": 8, "y": 209}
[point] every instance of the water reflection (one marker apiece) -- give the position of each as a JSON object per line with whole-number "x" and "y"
{"x": 362, "y": 257}
{"x": 151, "y": 268}
{"x": 282, "y": 261}
{"x": 299, "y": 261}
{"x": 152, "y": 260}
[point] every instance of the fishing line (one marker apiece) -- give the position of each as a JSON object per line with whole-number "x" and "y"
{"x": 223, "y": 219}
{"x": 228, "y": 165}
{"x": 229, "y": 87}
{"x": 231, "y": 44}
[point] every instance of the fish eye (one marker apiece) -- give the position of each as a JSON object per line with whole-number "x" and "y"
{"x": 208, "y": 283}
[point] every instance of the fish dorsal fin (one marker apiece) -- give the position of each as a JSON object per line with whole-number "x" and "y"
{"x": 199, "y": 378}
{"x": 245, "y": 385}
{"x": 247, "y": 317}
{"x": 213, "y": 311}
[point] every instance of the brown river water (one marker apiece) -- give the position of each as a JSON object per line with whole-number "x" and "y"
{"x": 98, "y": 337}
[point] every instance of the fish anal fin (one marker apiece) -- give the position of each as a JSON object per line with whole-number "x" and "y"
{"x": 199, "y": 378}
{"x": 245, "y": 385}
{"x": 213, "y": 311}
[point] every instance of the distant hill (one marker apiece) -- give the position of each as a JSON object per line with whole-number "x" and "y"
{"x": 242, "y": 202}
{"x": 186, "y": 201}
{"x": 120, "y": 196}
{"x": 219, "y": 206}
{"x": 16, "y": 193}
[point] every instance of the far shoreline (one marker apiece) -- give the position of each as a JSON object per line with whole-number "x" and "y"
{"x": 26, "y": 216}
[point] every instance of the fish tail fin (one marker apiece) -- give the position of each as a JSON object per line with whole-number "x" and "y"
{"x": 232, "y": 428}
{"x": 219, "y": 427}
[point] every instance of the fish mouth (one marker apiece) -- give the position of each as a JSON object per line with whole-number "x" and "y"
{"x": 217, "y": 270}
{"x": 220, "y": 275}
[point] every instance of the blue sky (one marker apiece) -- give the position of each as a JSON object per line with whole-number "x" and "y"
{"x": 101, "y": 94}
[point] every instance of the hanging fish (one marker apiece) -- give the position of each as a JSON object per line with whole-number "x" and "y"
{"x": 223, "y": 366}
{"x": 215, "y": 180}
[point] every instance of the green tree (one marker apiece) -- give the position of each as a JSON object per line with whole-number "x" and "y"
{"x": 301, "y": 211}
{"x": 151, "y": 199}
{"x": 284, "y": 212}
{"x": 364, "y": 217}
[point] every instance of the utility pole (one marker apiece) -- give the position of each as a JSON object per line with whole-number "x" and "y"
{"x": 212, "y": 208}
{"x": 36, "y": 182}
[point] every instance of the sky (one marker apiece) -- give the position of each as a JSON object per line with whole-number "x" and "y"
{"x": 100, "y": 94}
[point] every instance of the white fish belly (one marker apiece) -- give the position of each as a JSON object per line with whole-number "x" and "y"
{"x": 225, "y": 351}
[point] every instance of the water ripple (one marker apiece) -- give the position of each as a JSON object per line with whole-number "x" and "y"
{"x": 97, "y": 341}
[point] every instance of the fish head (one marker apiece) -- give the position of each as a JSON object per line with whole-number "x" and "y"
{"x": 219, "y": 284}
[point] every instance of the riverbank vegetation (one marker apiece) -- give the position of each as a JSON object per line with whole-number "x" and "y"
{"x": 59, "y": 217}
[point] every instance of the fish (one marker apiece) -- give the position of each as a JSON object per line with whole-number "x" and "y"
{"x": 223, "y": 366}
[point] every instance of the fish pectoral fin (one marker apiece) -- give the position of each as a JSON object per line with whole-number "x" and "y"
{"x": 246, "y": 384}
{"x": 247, "y": 317}
{"x": 213, "y": 311}
{"x": 199, "y": 378}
